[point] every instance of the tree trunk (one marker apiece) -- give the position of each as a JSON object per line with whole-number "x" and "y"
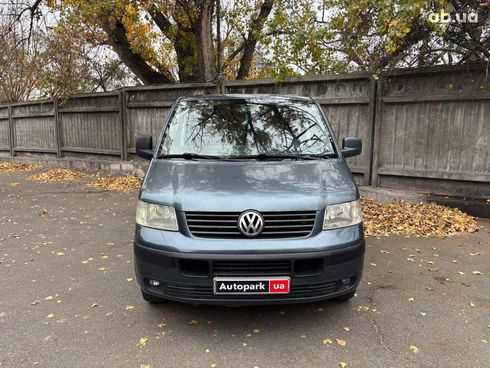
{"x": 116, "y": 36}
{"x": 204, "y": 41}
{"x": 251, "y": 41}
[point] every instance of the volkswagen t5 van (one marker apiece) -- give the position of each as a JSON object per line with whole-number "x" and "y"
{"x": 248, "y": 200}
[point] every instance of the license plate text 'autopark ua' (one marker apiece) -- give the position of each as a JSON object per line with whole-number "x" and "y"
{"x": 251, "y": 286}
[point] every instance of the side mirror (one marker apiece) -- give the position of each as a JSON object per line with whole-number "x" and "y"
{"x": 144, "y": 146}
{"x": 351, "y": 146}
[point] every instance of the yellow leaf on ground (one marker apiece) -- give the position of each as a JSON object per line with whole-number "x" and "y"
{"x": 129, "y": 308}
{"x": 419, "y": 220}
{"x": 142, "y": 341}
{"x": 193, "y": 322}
{"x": 347, "y": 329}
{"x": 414, "y": 348}
{"x": 341, "y": 342}
{"x": 343, "y": 364}
{"x": 127, "y": 183}
{"x": 327, "y": 341}
{"x": 256, "y": 330}
{"x": 477, "y": 273}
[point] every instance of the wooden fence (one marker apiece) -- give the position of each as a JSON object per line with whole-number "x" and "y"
{"x": 424, "y": 129}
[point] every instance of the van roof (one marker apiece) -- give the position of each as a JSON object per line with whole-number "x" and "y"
{"x": 255, "y": 97}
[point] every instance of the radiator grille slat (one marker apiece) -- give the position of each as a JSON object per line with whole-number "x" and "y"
{"x": 276, "y": 224}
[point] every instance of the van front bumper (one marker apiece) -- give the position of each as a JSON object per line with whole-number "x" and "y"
{"x": 315, "y": 274}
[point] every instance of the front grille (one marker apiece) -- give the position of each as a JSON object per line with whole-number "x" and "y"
{"x": 245, "y": 268}
{"x": 297, "y": 291}
{"x": 276, "y": 224}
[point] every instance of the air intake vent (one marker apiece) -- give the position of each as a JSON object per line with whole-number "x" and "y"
{"x": 244, "y": 268}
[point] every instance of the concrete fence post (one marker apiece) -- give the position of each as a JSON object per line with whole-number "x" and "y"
{"x": 57, "y": 126}
{"x": 369, "y": 147}
{"x": 11, "y": 132}
{"x": 378, "y": 118}
{"x": 123, "y": 125}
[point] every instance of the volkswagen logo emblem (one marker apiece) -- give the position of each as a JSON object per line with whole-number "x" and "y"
{"x": 250, "y": 223}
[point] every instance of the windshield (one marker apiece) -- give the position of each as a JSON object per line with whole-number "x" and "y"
{"x": 239, "y": 127}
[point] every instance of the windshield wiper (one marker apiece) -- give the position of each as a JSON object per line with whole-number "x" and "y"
{"x": 284, "y": 156}
{"x": 189, "y": 156}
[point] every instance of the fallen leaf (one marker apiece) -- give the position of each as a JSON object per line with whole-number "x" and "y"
{"x": 95, "y": 305}
{"x": 347, "y": 329}
{"x": 341, "y": 342}
{"x": 206, "y": 351}
{"x": 142, "y": 341}
{"x": 13, "y": 167}
{"x": 194, "y": 322}
{"x": 455, "y": 261}
{"x": 129, "y": 279}
{"x": 418, "y": 220}
{"x": 343, "y": 364}
{"x": 129, "y": 308}
{"x": 414, "y": 348}
{"x": 327, "y": 342}
{"x": 127, "y": 183}
{"x": 472, "y": 304}
{"x": 410, "y": 299}
{"x": 58, "y": 175}
{"x": 256, "y": 330}
{"x": 474, "y": 254}
{"x": 51, "y": 315}
{"x": 477, "y": 273}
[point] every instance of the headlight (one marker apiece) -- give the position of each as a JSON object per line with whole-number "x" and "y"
{"x": 342, "y": 215}
{"x": 156, "y": 216}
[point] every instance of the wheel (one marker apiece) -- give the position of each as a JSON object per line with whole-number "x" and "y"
{"x": 150, "y": 298}
{"x": 347, "y": 296}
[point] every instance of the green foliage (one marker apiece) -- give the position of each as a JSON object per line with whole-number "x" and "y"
{"x": 336, "y": 35}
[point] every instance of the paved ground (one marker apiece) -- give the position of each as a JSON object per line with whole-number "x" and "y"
{"x": 68, "y": 299}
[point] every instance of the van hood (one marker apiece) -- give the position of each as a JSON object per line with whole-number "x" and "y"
{"x": 235, "y": 186}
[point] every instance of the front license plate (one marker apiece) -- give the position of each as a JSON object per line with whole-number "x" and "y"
{"x": 251, "y": 285}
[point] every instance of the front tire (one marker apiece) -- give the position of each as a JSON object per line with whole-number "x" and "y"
{"x": 150, "y": 298}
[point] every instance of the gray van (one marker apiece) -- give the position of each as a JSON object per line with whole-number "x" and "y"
{"x": 248, "y": 200}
